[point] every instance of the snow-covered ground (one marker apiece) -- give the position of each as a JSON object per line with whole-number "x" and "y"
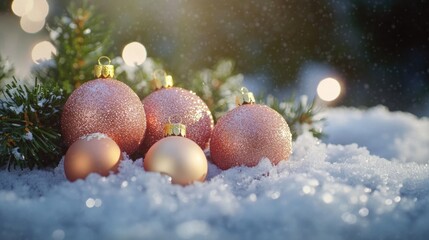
{"x": 369, "y": 179}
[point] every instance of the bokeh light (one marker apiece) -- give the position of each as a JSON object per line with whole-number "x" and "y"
{"x": 43, "y": 51}
{"x": 31, "y": 26}
{"x": 39, "y": 11}
{"x": 22, "y": 7}
{"x": 329, "y": 89}
{"x": 134, "y": 54}
{"x": 33, "y": 14}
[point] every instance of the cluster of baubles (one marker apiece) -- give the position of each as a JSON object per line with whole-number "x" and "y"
{"x": 171, "y": 127}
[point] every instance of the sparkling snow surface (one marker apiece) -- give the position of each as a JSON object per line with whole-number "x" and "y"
{"x": 375, "y": 185}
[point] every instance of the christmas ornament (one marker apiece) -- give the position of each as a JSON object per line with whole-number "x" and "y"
{"x": 93, "y": 153}
{"x": 248, "y": 133}
{"x": 167, "y": 101}
{"x": 177, "y": 156}
{"x": 105, "y": 105}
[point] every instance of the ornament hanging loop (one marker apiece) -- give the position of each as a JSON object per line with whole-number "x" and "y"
{"x": 159, "y": 73}
{"x": 245, "y": 97}
{"x": 174, "y": 129}
{"x": 104, "y": 70}
{"x": 104, "y": 57}
{"x": 160, "y": 79}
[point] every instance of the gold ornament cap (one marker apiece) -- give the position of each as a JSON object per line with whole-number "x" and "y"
{"x": 245, "y": 97}
{"x": 161, "y": 80}
{"x": 104, "y": 70}
{"x": 174, "y": 129}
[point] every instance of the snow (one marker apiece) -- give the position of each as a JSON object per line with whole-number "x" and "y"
{"x": 91, "y": 136}
{"x": 18, "y": 110}
{"x": 17, "y": 154}
{"x": 392, "y": 135}
{"x": 28, "y": 136}
{"x": 368, "y": 180}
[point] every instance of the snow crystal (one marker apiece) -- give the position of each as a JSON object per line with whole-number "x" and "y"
{"x": 42, "y": 102}
{"x": 28, "y": 136}
{"x": 17, "y": 154}
{"x": 18, "y": 110}
{"x": 324, "y": 191}
{"x": 91, "y": 136}
{"x": 87, "y": 31}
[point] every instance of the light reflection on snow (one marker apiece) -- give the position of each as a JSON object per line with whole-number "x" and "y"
{"x": 58, "y": 234}
{"x": 90, "y": 203}
{"x": 327, "y": 198}
{"x": 363, "y": 212}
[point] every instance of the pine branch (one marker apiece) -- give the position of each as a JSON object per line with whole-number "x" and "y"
{"x": 30, "y": 125}
{"x": 139, "y": 77}
{"x": 80, "y": 37}
{"x": 217, "y": 86}
{"x": 301, "y": 116}
{"x": 6, "y": 69}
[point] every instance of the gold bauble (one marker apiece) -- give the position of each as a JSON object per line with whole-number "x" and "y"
{"x": 94, "y": 153}
{"x": 178, "y": 157}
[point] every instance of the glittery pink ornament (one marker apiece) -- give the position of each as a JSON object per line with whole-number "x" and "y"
{"x": 179, "y": 104}
{"x": 248, "y": 133}
{"x": 107, "y": 106}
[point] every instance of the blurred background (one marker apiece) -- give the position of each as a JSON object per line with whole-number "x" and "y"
{"x": 354, "y": 53}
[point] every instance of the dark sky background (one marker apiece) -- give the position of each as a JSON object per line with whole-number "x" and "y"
{"x": 379, "y": 48}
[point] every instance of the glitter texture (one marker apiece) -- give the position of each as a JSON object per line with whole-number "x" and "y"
{"x": 249, "y": 133}
{"x": 106, "y": 106}
{"x": 179, "y": 104}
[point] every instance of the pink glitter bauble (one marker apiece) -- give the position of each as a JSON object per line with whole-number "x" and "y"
{"x": 106, "y": 106}
{"x": 249, "y": 133}
{"x": 179, "y": 105}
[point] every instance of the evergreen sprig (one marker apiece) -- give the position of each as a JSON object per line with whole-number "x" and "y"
{"x": 137, "y": 78}
{"x": 30, "y": 125}
{"x": 80, "y": 37}
{"x": 300, "y": 115}
{"x": 6, "y": 69}
{"x": 217, "y": 86}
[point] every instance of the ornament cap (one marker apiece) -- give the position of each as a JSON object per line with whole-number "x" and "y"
{"x": 104, "y": 70}
{"x": 161, "y": 80}
{"x": 245, "y": 97}
{"x": 174, "y": 129}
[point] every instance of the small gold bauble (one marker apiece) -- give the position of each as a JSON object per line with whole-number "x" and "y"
{"x": 178, "y": 157}
{"x": 94, "y": 153}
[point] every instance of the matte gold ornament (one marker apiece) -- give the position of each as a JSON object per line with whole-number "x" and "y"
{"x": 248, "y": 133}
{"x": 168, "y": 101}
{"x": 93, "y": 153}
{"x": 105, "y": 105}
{"x": 176, "y": 156}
